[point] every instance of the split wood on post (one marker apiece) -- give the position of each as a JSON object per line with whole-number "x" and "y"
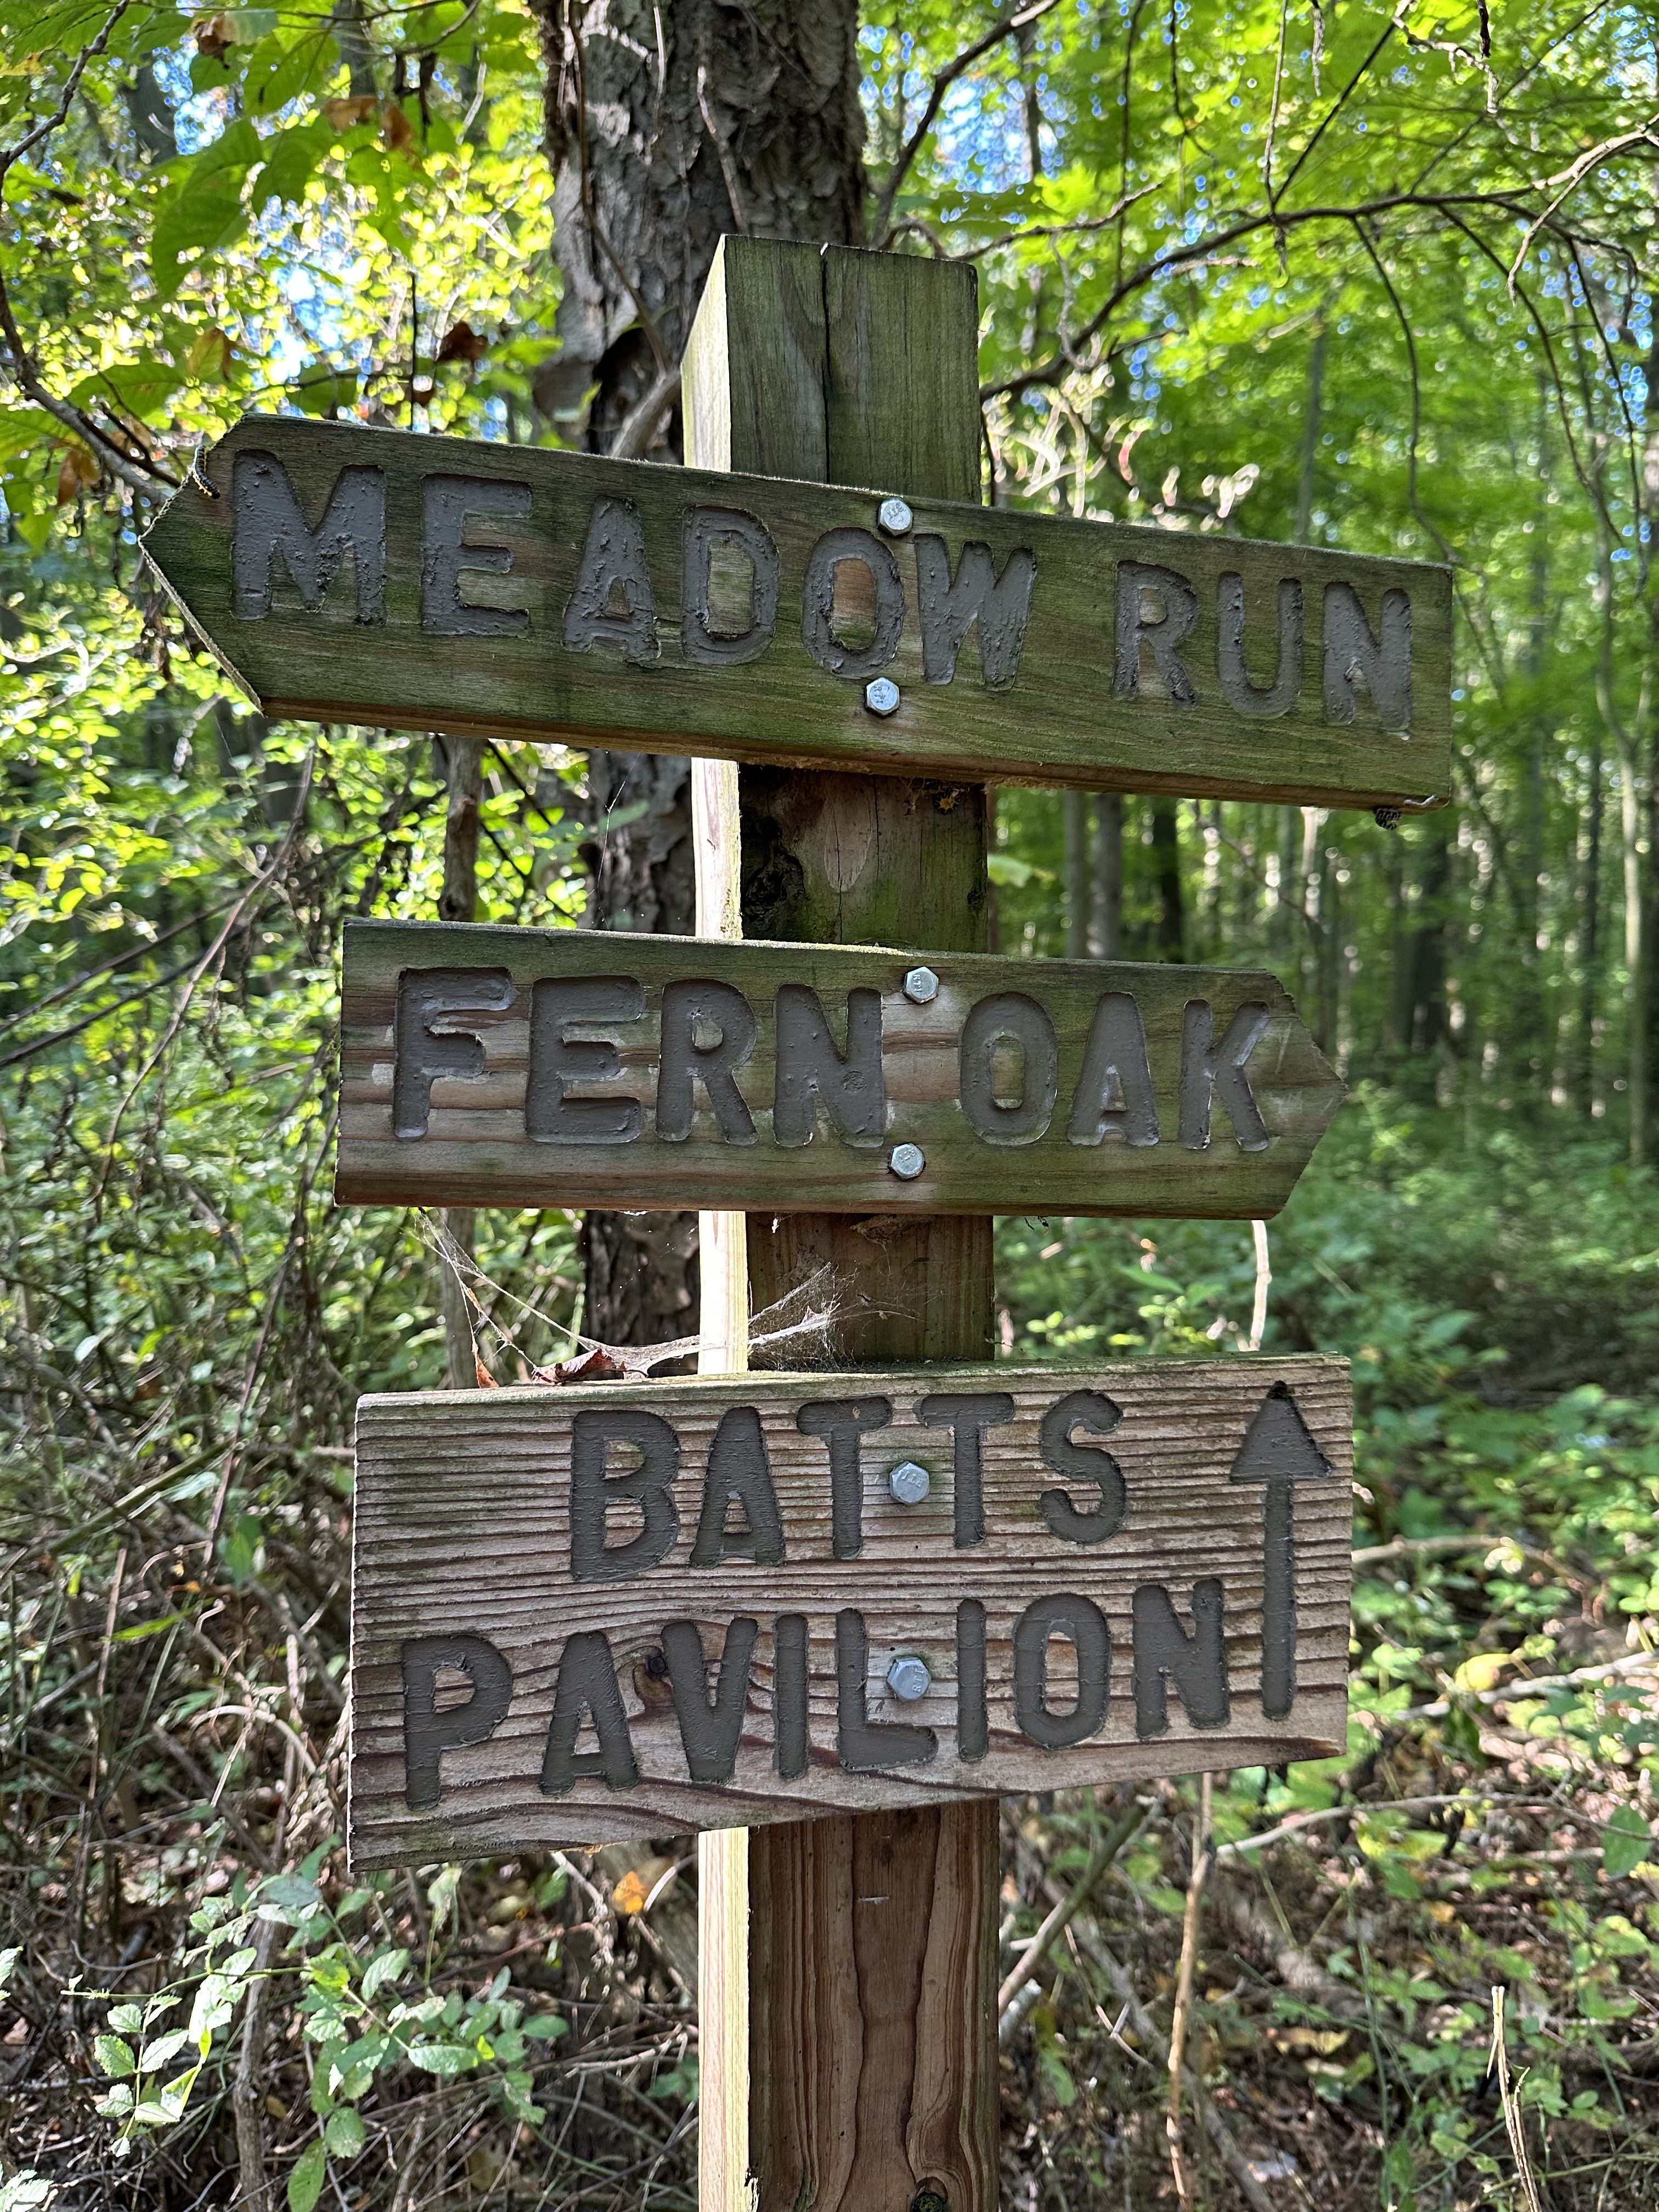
{"x": 859, "y": 2065}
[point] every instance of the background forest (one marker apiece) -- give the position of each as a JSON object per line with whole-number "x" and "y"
{"x": 1322, "y": 272}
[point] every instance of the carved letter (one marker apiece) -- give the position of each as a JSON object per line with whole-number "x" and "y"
{"x": 1236, "y": 688}
{"x": 1090, "y": 1410}
{"x": 1162, "y": 633}
{"x": 1206, "y": 1068}
{"x": 558, "y": 1061}
{"x": 427, "y": 1733}
{"x": 738, "y": 1468}
{"x": 864, "y": 1747}
{"x": 706, "y": 527}
{"x": 841, "y": 1422}
{"x": 967, "y": 1415}
{"x": 792, "y": 1751}
{"x": 446, "y": 552}
{"x": 588, "y": 1685}
{"x": 817, "y": 612}
{"x": 1353, "y": 656}
{"x": 1114, "y": 1094}
{"x": 422, "y": 1050}
{"x": 1165, "y": 1653}
{"x": 649, "y": 1484}
{"x": 613, "y": 602}
{"x": 267, "y": 519}
{"x": 809, "y": 1071}
{"x": 950, "y": 607}
{"x": 973, "y": 1730}
{"x": 711, "y": 1728}
{"x": 1021, "y": 1120}
{"x": 684, "y": 1061}
{"x": 1083, "y": 1625}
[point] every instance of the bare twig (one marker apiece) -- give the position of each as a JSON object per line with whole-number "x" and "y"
{"x": 1203, "y": 1858}
{"x": 1127, "y": 1825}
{"x": 247, "y": 2091}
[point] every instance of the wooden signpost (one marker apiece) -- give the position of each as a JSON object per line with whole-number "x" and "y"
{"x": 489, "y": 1066}
{"x": 822, "y": 1618}
{"x": 601, "y": 1612}
{"x": 351, "y": 574}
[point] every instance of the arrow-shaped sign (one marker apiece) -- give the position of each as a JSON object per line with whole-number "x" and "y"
{"x": 1278, "y": 1450}
{"x": 342, "y": 572}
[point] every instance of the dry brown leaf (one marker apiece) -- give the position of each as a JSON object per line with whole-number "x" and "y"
{"x": 80, "y": 472}
{"x": 213, "y": 36}
{"x": 342, "y": 113}
{"x": 460, "y": 342}
{"x": 396, "y": 128}
{"x": 486, "y": 1380}
{"x": 629, "y": 1895}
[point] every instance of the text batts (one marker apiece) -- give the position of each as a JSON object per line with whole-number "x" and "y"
{"x": 602, "y": 1611}
{"x": 345, "y": 573}
{"x": 563, "y": 1068}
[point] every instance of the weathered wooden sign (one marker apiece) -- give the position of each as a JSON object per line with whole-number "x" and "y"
{"x": 566, "y": 1067}
{"x": 345, "y": 573}
{"x": 600, "y": 1613}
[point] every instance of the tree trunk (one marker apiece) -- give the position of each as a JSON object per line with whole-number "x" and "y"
{"x": 1166, "y": 868}
{"x": 667, "y": 127}
{"x": 1107, "y": 941}
{"x": 461, "y": 760}
{"x": 1079, "y": 888}
{"x": 1589, "y": 940}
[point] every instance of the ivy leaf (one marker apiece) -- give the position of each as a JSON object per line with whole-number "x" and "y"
{"x": 304, "y": 2183}
{"x": 1625, "y": 1842}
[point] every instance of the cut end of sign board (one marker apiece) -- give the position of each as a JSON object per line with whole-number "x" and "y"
{"x": 587, "y": 1615}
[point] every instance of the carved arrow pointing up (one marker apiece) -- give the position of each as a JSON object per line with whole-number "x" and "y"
{"x": 1279, "y": 1450}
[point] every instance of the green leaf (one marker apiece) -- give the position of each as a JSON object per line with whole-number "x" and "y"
{"x": 155, "y": 2055}
{"x": 1625, "y": 1842}
{"x": 345, "y": 2134}
{"x": 113, "y": 2056}
{"x": 384, "y": 1967}
{"x": 443, "y": 2059}
{"x": 546, "y": 2028}
{"x": 304, "y": 2183}
{"x": 291, "y": 158}
{"x": 288, "y": 1898}
{"x": 126, "y": 2019}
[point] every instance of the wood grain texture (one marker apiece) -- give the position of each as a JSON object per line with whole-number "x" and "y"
{"x": 409, "y": 644}
{"x": 983, "y": 1155}
{"x": 468, "y": 1524}
{"x": 839, "y": 2027}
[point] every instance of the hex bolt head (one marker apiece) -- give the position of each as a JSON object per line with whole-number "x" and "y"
{"x": 881, "y": 697}
{"x": 908, "y": 1677}
{"x": 907, "y": 1161}
{"x": 921, "y": 985}
{"x": 909, "y": 1482}
{"x": 895, "y": 517}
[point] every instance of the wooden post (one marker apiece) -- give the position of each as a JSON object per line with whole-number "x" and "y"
{"x": 848, "y": 2033}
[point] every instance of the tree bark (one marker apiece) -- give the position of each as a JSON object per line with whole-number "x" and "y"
{"x": 1166, "y": 865}
{"x": 1079, "y": 888}
{"x": 462, "y": 762}
{"x": 666, "y": 126}
{"x": 1107, "y": 933}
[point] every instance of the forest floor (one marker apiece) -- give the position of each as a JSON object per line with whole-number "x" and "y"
{"x": 1423, "y": 1976}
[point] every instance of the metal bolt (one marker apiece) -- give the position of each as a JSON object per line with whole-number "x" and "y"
{"x": 908, "y": 1482}
{"x": 895, "y": 517}
{"x": 921, "y": 985}
{"x": 881, "y": 697}
{"x": 908, "y": 1677}
{"x": 907, "y": 1161}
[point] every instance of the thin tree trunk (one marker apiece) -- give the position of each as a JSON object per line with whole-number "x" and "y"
{"x": 666, "y": 126}
{"x": 1079, "y": 890}
{"x": 1166, "y": 868}
{"x": 1108, "y": 939}
{"x": 1590, "y": 941}
{"x": 463, "y": 762}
